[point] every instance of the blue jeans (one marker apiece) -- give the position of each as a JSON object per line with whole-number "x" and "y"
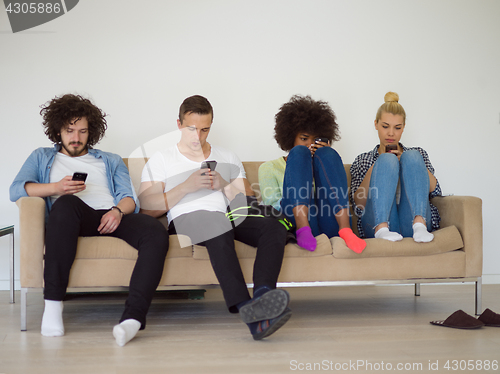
{"x": 382, "y": 206}
{"x": 318, "y": 182}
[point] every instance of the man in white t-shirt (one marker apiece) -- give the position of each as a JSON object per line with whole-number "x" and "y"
{"x": 193, "y": 183}
{"x": 102, "y": 205}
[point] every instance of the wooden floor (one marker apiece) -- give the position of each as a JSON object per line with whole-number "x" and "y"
{"x": 363, "y": 329}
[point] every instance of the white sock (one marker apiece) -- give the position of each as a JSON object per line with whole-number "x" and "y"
{"x": 420, "y": 233}
{"x": 52, "y": 321}
{"x": 384, "y": 233}
{"x": 125, "y": 331}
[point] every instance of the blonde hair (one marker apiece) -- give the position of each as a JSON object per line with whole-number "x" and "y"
{"x": 392, "y": 106}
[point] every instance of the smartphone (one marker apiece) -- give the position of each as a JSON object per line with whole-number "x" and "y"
{"x": 208, "y": 164}
{"x": 323, "y": 140}
{"x": 390, "y": 147}
{"x": 79, "y": 176}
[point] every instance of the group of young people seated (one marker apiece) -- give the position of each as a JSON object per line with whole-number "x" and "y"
{"x": 391, "y": 185}
{"x": 195, "y": 184}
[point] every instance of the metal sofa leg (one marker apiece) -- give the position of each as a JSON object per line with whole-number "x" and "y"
{"x": 479, "y": 295}
{"x": 24, "y": 293}
{"x": 417, "y": 289}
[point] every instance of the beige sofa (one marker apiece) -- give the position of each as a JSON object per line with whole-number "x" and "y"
{"x": 104, "y": 263}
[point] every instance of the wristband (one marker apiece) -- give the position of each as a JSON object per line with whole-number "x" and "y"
{"x": 115, "y": 207}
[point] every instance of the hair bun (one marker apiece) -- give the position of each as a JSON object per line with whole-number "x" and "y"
{"x": 391, "y": 97}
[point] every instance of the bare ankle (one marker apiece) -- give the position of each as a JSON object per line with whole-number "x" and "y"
{"x": 419, "y": 219}
{"x": 380, "y": 226}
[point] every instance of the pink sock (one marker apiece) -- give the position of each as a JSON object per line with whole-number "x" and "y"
{"x": 352, "y": 241}
{"x": 305, "y": 238}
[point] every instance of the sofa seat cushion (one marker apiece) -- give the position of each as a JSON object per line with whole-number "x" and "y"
{"x": 324, "y": 248}
{"x": 106, "y": 247}
{"x": 445, "y": 240}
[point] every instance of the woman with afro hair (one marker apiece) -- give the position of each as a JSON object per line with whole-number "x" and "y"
{"x": 309, "y": 185}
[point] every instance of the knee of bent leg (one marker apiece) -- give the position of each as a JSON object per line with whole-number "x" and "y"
{"x": 412, "y": 157}
{"x": 300, "y": 151}
{"x": 156, "y": 231}
{"x": 327, "y": 156}
{"x": 388, "y": 160}
{"x": 326, "y": 152}
{"x": 64, "y": 210}
{"x": 65, "y": 202}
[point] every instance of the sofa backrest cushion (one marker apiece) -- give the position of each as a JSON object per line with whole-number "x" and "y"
{"x": 135, "y": 166}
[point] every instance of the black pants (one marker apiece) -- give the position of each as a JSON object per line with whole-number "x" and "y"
{"x": 267, "y": 234}
{"x": 70, "y": 218}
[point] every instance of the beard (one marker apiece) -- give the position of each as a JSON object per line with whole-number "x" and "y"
{"x": 75, "y": 152}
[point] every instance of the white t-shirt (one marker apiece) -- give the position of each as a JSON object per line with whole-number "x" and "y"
{"x": 97, "y": 194}
{"x": 171, "y": 167}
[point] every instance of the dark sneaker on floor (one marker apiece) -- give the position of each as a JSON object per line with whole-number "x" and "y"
{"x": 268, "y": 306}
{"x": 268, "y": 327}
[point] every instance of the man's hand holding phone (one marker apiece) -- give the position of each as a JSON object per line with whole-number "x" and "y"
{"x": 201, "y": 178}
{"x": 216, "y": 181}
{"x": 198, "y": 180}
{"x": 79, "y": 176}
{"x": 70, "y": 185}
{"x": 208, "y": 165}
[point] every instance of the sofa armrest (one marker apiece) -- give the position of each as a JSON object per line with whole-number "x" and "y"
{"x": 465, "y": 212}
{"x": 32, "y": 240}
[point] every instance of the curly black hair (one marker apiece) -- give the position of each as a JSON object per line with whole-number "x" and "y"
{"x": 302, "y": 114}
{"x": 60, "y": 111}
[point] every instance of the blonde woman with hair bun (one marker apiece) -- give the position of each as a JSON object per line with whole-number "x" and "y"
{"x": 391, "y": 186}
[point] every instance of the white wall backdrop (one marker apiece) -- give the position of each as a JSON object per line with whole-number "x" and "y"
{"x": 139, "y": 60}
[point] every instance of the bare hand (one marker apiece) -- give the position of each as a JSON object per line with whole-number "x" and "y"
{"x": 218, "y": 183}
{"x": 197, "y": 181}
{"x": 110, "y": 222}
{"x": 396, "y": 152}
{"x": 316, "y": 145}
{"x": 67, "y": 186}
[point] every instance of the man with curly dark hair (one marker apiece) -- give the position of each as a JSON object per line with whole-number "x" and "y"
{"x": 58, "y": 113}
{"x": 101, "y": 205}
{"x": 309, "y": 186}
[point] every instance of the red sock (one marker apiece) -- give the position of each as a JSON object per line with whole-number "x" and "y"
{"x": 352, "y": 241}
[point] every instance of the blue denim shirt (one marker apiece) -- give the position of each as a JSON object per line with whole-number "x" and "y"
{"x": 36, "y": 169}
